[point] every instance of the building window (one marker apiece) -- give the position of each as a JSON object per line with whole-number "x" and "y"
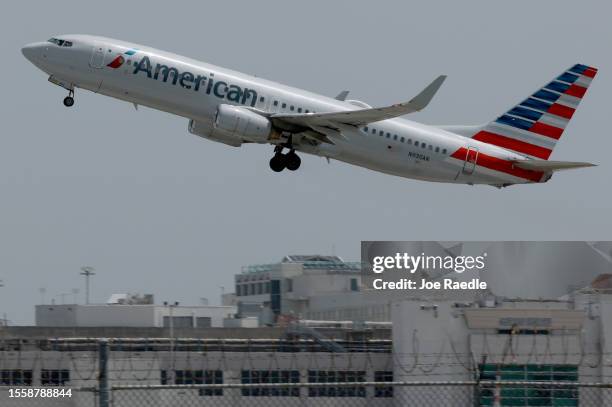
{"x": 383, "y": 376}
{"x": 203, "y": 322}
{"x": 267, "y": 377}
{"x": 178, "y": 322}
{"x": 260, "y": 289}
{"x": 268, "y": 287}
{"x": 330, "y": 376}
{"x": 197, "y": 377}
{"x": 289, "y": 285}
{"x": 16, "y": 377}
{"x": 54, "y": 377}
{"x": 354, "y": 284}
{"x": 529, "y": 396}
{"x": 275, "y": 296}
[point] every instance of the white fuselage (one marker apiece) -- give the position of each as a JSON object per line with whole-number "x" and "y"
{"x": 194, "y": 90}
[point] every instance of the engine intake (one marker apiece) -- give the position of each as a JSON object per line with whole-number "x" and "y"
{"x": 238, "y": 122}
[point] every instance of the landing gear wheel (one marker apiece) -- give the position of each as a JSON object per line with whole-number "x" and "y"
{"x": 278, "y": 162}
{"x": 68, "y": 101}
{"x": 292, "y": 161}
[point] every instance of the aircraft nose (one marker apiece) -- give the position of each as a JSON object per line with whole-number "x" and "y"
{"x": 31, "y": 51}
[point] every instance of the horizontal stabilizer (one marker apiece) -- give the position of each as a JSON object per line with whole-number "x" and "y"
{"x": 549, "y": 166}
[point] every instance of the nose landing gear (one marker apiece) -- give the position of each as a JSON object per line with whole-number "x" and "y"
{"x": 280, "y": 161}
{"x": 69, "y": 100}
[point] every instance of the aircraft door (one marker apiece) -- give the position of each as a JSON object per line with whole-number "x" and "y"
{"x": 97, "y": 57}
{"x": 471, "y": 158}
{"x": 270, "y": 107}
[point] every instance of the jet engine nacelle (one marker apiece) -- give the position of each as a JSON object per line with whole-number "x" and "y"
{"x": 206, "y": 130}
{"x": 244, "y": 124}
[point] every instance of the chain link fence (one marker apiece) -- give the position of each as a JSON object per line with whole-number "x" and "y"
{"x": 16, "y": 396}
{"x": 368, "y": 394}
{"x": 434, "y": 393}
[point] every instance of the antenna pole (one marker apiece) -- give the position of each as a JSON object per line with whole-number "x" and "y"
{"x": 87, "y": 272}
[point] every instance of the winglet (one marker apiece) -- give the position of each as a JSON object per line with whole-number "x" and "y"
{"x": 342, "y": 95}
{"x": 420, "y": 101}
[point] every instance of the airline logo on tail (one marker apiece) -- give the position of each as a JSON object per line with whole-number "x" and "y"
{"x": 535, "y": 125}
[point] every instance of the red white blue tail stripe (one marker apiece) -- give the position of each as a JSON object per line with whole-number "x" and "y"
{"x": 534, "y": 126}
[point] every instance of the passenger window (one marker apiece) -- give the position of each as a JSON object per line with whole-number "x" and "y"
{"x": 437, "y": 149}
{"x": 409, "y": 141}
{"x": 365, "y": 129}
{"x": 284, "y": 105}
{"x": 402, "y": 139}
{"x": 306, "y": 111}
{"x": 276, "y": 103}
{"x": 299, "y": 110}
{"x": 423, "y": 145}
{"x": 373, "y": 131}
{"x": 291, "y": 108}
{"x": 261, "y": 99}
{"x": 443, "y": 151}
{"x": 388, "y": 135}
{"x": 431, "y": 147}
{"x": 382, "y": 133}
{"x": 395, "y": 137}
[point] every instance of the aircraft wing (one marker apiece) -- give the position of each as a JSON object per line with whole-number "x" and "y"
{"x": 361, "y": 117}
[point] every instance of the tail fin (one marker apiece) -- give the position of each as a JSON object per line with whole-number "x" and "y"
{"x": 534, "y": 126}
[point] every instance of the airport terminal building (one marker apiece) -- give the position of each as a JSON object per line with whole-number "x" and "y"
{"x": 447, "y": 348}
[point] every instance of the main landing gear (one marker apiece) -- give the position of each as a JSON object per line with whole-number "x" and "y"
{"x": 69, "y": 100}
{"x": 280, "y": 161}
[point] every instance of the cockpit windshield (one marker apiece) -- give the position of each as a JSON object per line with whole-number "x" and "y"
{"x": 61, "y": 43}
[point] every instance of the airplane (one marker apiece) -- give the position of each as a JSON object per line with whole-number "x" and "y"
{"x": 234, "y": 108}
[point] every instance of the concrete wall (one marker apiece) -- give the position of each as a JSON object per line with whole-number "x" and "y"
{"x": 125, "y": 315}
{"x": 145, "y": 368}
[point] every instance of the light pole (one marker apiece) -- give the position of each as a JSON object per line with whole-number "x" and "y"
{"x": 87, "y": 272}
{"x": 171, "y": 307}
{"x": 4, "y": 320}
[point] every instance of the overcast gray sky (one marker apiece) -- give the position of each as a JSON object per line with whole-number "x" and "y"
{"x": 158, "y": 210}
